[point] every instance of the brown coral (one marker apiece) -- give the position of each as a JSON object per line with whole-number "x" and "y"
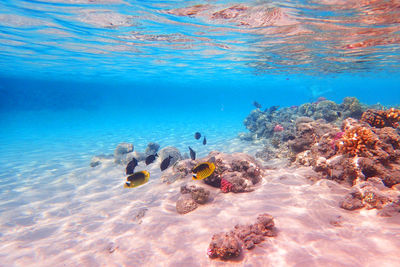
{"x": 356, "y": 141}
{"x": 382, "y": 118}
{"x": 371, "y": 194}
{"x": 375, "y": 118}
{"x": 393, "y": 117}
{"x": 229, "y": 245}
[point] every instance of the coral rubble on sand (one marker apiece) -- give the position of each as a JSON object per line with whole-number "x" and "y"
{"x": 190, "y": 197}
{"x": 229, "y": 245}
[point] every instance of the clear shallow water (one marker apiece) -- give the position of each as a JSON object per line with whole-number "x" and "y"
{"x": 77, "y": 77}
{"x": 116, "y": 38}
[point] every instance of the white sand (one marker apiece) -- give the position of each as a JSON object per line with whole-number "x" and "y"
{"x": 87, "y": 218}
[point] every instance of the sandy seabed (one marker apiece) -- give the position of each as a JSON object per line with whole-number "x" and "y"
{"x": 87, "y": 218}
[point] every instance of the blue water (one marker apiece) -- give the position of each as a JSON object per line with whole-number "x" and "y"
{"x": 77, "y": 77}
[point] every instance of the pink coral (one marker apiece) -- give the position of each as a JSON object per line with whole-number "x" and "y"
{"x": 226, "y": 186}
{"x": 278, "y": 128}
{"x": 337, "y": 136}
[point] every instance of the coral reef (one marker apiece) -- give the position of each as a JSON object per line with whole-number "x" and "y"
{"x": 354, "y": 153}
{"x": 351, "y": 107}
{"x": 357, "y": 141}
{"x": 261, "y": 124}
{"x": 327, "y": 110}
{"x": 316, "y": 136}
{"x": 375, "y": 118}
{"x": 382, "y": 118}
{"x": 229, "y": 245}
{"x": 277, "y": 128}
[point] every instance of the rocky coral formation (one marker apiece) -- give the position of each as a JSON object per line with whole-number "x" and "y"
{"x": 313, "y": 139}
{"x": 191, "y": 196}
{"x": 100, "y": 159}
{"x": 261, "y": 124}
{"x": 151, "y": 149}
{"x": 229, "y": 245}
{"x": 239, "y": 170}
{"x": 357, "y": 140}
{"x": 351, "y": 107}
{"x": 361, "y": 153}
{"x": 375, "y": 118}
{"x": 198, "y": 193}
{"x": 124, "y": 152}
{"x": 372, "y": 194}
{"x": 186, "y": 204}
{"x": 182, "y": 169}
{"x": 170, "y": 151}
{"x": 121, "y": 152}
{"x": 224, "y": 246}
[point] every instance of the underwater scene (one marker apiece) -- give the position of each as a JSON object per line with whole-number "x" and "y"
{"x": 200, "y": 133}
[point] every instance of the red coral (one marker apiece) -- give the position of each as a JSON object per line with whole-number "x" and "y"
{"x": 226, "y": 186}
